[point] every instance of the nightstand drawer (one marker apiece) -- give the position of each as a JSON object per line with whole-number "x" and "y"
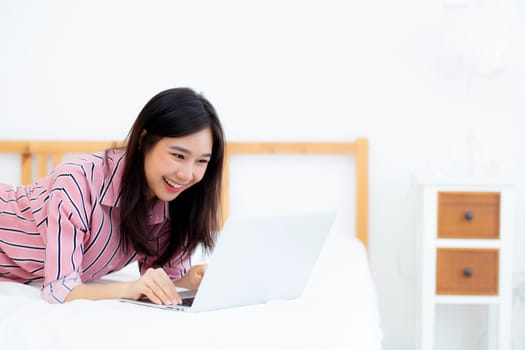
{"x": 468, "y": 215}
{"x": 467, "y": 271}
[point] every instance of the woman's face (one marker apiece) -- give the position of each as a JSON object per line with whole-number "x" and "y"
{"x": 174, "y": 164}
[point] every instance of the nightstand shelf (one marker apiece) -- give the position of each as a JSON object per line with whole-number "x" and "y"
{"x": 466, "y": 300}
{"x": 472, "y": 243}
{"x": 465, "y": 254}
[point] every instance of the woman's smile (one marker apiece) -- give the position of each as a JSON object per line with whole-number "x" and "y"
{"x": 172, "y": 186}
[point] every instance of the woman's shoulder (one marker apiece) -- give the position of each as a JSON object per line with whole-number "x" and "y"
{"x": 91, "y": 165}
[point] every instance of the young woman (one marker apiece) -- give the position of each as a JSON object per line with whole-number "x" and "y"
{"x": 152, "y": 202}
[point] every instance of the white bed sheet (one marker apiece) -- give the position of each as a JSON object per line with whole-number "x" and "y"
{"x": 338, "y": 310}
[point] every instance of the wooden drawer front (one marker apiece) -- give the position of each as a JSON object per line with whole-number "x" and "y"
{"x": 468, "y": 215}
{"x": 467, "y": 271}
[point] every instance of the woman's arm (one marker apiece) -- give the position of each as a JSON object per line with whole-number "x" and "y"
{"x": 154, "y": 284}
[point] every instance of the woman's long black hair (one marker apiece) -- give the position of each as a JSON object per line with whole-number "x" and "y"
{"x": 195, "y": 216}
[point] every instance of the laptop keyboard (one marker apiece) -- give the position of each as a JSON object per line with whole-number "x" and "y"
{"x": 185, "y": 301}
{"x": 188, "y": 301}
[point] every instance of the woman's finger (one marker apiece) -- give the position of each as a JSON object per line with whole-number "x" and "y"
{"x": 163, "y": 287}
{"x": 165, "y": 290}
{"x": 151, "y": 296}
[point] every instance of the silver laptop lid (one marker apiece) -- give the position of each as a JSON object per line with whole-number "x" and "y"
{"x": 258, "y": 259}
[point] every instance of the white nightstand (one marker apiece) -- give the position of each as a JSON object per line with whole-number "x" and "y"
{"x": 464, "y": 235}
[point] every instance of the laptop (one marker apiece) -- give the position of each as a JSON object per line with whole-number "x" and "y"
{"x": 256, "y": 260}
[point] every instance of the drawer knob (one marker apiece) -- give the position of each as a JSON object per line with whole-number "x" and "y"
{"x": 469, "y": 215}
{"x": 467, "y": 272}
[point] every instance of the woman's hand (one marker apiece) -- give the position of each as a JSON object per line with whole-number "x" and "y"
{"x": 192, "y": 279}
{"x": 156, "y": 285}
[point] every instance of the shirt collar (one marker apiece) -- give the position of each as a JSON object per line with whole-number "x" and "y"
{"x": 112, "y": 168}
{"x": 159, "y": 213}
{"x": 112, "y": 171}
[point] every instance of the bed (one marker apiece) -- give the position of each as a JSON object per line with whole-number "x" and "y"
{"x": 338, "y": 309}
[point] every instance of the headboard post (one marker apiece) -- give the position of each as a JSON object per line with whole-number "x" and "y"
{"x": 26, "y": 162}
{"x": 225, "y": 188}
{"x": 362, "y": 190}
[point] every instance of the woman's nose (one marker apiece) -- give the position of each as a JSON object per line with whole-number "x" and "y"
{"x": 185, "y": 172}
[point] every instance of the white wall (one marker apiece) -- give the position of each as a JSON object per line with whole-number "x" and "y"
{"x": 437, "y": 87}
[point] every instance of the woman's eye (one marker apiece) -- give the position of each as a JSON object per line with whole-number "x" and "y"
{"x": 177, "y": 155}
{"x": 203, "y": 161}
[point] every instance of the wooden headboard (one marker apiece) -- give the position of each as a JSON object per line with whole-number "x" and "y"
{"x": 45, "y": 155}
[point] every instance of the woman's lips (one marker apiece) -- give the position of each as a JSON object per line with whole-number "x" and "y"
{"x": 172, "y": 186}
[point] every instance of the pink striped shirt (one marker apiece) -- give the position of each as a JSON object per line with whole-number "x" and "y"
{"x": 63, "y": 230}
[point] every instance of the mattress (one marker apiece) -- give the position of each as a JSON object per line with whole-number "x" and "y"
{"x": 338, "y": 310}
